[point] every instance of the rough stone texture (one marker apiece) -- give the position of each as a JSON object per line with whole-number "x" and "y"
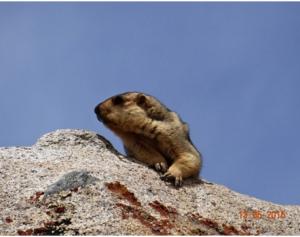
{"x": 108, "y": 194}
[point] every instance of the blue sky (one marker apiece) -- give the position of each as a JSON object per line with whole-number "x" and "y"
{"x": 231, "y": 70}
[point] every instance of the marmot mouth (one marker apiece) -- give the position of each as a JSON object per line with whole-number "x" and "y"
{"x": 99, "y": 118}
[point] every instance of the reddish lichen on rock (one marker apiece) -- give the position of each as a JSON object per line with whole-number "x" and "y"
{"x": 74, "y": 189}
{"x": 157, "y": 226}
{"x": 245, "y": 227}
{"x": 25, "y": 232}
{"x": 230, "y": 230}
{"x": 221, "y": 229}
{"x": 210, "y": 223}
{"x": 60, "y": 209}
{"x": 48, "y": 228}
{"x": 34, "y": 198}
{"x": 8, "y": 220}
{"x": 197, "y": 218}
{"x": 122, "y": 191}
{"x": 162, "y": 209}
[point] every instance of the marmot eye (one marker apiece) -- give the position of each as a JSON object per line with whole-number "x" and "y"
{"x": 117, "y": 100}
{"x": 141, "y": 99}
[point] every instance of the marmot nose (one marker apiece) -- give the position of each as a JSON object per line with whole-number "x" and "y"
{"x": 96, "y": 110}
{"x": 98, "y": 113}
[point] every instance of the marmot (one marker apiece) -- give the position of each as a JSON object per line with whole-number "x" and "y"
{"x": 151, "y": 133}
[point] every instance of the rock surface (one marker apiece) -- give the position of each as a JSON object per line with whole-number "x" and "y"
{"x": 74, "y": 182}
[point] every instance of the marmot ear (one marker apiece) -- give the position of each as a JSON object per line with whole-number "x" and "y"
{"x": 141, "y": 99}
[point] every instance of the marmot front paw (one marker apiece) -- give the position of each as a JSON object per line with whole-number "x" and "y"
{"x": 173, "y": 174}
{"x": 162, "y": 166}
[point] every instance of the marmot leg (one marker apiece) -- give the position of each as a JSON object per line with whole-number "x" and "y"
{"x": 145, "y": 153}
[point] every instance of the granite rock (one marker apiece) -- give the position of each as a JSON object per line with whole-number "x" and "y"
{"x": 74, "y": 182}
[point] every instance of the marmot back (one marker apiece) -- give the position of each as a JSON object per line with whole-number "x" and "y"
{"x": 151, "y": 133}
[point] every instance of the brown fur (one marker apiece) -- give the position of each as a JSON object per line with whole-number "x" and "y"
{"x": 152, "y": 134}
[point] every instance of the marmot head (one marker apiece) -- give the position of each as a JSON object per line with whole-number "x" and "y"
{"x": 119, "y": 110}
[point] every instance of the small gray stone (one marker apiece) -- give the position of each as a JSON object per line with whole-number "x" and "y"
{"x": 71, "y": 180}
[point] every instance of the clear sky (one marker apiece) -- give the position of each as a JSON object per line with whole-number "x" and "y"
{"x": 231, "y": 70}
